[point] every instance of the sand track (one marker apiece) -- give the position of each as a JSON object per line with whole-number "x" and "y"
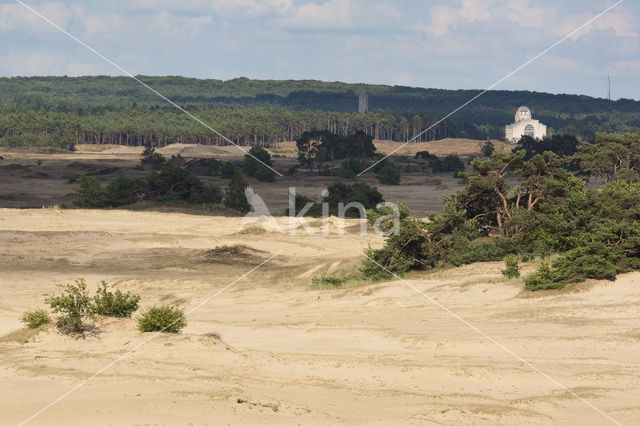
{"x": 271, "y": 350}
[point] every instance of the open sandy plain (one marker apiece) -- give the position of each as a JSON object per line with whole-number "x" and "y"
{"x": 270, "y": 349}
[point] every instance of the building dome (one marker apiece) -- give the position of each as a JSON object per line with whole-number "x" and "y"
{"x": 522, "y": 114}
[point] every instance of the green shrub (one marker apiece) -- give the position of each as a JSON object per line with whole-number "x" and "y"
{"x": 228, "y": 169}
{"x": 345, "y": 173}
{"x": 388, "y": 174}
{"x": 116, "y": 304}
{"x": 449, "y": 163}
{"x": 149, "y": 156}
{"x": 91, "y": 193}
{"x": 74, "y": 307}
{"x": 354, "y": 165}
{"x": 212, "y": 167}
{"x": 545, "y": 278}
{"x": 123, "y": 190}
{"x": 362, "y": 193}
{"x": 256, "y": 162}
{"x": 488, "y": 148}
{"x": 235, "y": 197}
{"x": 168, "y": 319}
{"x": 476, "y": 251}
{"x": 325, "y": 281}
{"x": 511, "y": 266}
{"x": 34, "y": 319}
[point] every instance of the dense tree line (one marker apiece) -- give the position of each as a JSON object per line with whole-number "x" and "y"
{"x": 58, "y": 111}
{"x": 136, "y": 126}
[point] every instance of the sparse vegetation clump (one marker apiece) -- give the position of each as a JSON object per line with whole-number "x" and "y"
{"x": 165, "y": 318}
{"x": 74, "y": 307}
{"x": 36, "y": 318}
{"x": 116, "y": 304}
{"x": 253, "y": 230}
{"x": 235, "y": 250}
{"x": 511, "y": 269}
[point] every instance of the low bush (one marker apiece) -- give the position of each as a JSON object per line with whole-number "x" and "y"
{"x": 488, "y": 148}
{"x": 116, "y": 304}
{"x": 253, "y": 230}
{"x": 34, "y": 319}
{"x": 388, "y": 174}
{"x": 449, "y": 163}
{"x": 90, "y": 194}
{"x": 165, "y": 318}
{"x": 544, "y": 279}
{"x": 325, "y": 281}
{"x": 345, "y": 173}
{"x": 74, "y": 306}
{"x": 354, "y": 165}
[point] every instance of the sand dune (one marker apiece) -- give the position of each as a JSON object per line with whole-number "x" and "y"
{"x": 272, "y": 350}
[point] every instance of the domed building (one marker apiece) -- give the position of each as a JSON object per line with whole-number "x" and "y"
{"x": 524, "y": 125}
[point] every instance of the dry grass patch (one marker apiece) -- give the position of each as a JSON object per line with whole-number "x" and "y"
{"x": 253, "y": 230}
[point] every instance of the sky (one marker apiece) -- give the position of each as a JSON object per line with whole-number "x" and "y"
{"x": 455, "y": 44}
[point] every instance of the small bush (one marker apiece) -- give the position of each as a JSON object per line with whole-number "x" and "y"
{"x": 235, "y": 197}
{"x": 253, "y": 230}
{"x": 73, "y": 306}
{"x": 234, "y": 250}
{"x": 90, "y": 194}
{"x": 545, "y": 278}
{"x": 325, "y": 281}
{"x": 34, "y": 319}
{"x": 345, "y": 173}
{"x": 511, "y": 267}
{"x": 116, "y": 304}
{"x": 167, "y": 319}
{"x": 227, "y": 170}
{"x": 354, "y": 165}
{"x": 488, "y": 148}
{"x": 388, "y": 174}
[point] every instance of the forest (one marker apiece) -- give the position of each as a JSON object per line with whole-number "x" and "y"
{"x": 62, "y": 111}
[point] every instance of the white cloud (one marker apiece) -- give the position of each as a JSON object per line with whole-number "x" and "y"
{"x": 445, "y": 18}
{"x": 167, "y": 26}
{"x": 624, "y": 24}
{"x": 17, "y": 17}
{"x": 521, "y": 13}
{"x": 107, "y": 26}
{"x": 222, "y": 9}
{"x": 331, "y": 14}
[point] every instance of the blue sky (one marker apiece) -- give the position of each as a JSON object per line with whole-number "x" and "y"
{"x": 442, "y": 44}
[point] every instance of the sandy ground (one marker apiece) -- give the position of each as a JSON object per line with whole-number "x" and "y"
{"x": 272, "y": 350}
{"x": 460, "y": 146}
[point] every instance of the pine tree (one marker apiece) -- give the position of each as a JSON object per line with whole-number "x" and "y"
{"x": 235, "y": 197}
